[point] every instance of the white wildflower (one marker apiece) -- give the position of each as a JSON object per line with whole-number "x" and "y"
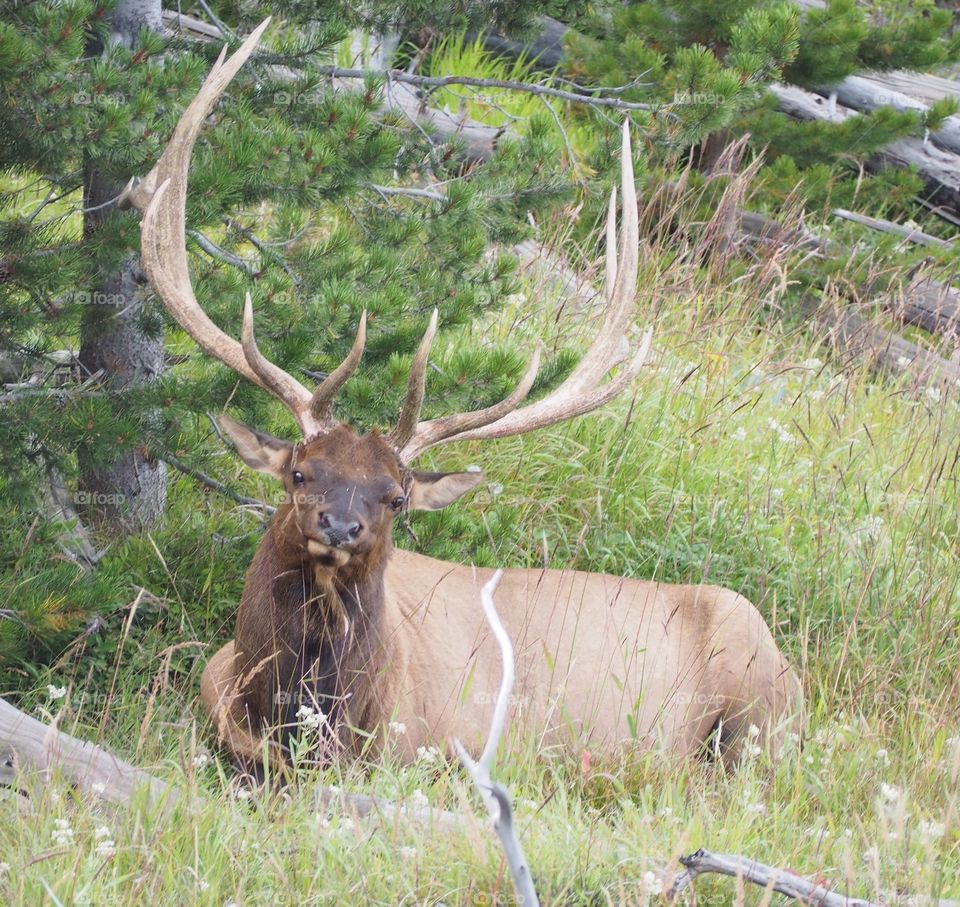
{"x": 408, "y": 853}
{"x": 397, "y": 727}
{"x": 102, "y": 832}
{"x": 55, "y": 692}
{"x": 98, "y": 787}
{"x": 495, "y": 489}
{"x": 933, "y": 393}
{"x": 243, "y": 793}
{"x": 310, "y": 718}
{"x": 473, "y": 468}
{"x": 419, "y": 798}
{"x": 106, "y": 848}
{"x": 4, "y": 869}
{"x": 872, "y": 855}
{"x": 740, "y": 434}
{"x": 782, "y": 434}
{"x": 427, "y": 754}
{"x": 890, "y": 793}
{"x": 63, "y": 833}
{"x": 903, "y": 361}
{"x": 758, "y": 808}
{"x": 932, "y": 829}
{"x": 652, "y": 883}
{"x": 883, "y": 757}
{"x": 202, "y": 884}
{"x": 813, "y": 364}
{"x": 200, "y": 760}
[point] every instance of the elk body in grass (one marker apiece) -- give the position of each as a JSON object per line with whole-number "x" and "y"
{"x": 334, "y": 618}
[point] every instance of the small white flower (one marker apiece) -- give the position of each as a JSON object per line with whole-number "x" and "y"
{"x": 408, "y": 853}
{"x": 310, "y": 718}
{"x": 4, "y": 869}
{"x": 102, "y": 832}
{"x": 932, "y": 829}
{"x": 106, "y": 849}
{"x": 98, "y": 787}
{"x": 740, "y": 434}
{"x": 243, "y": 793}
{"x": 903, "y": 361}
{"x": 883, "y": 757}
{"x": 652, "y": 884}
{"x": 427, "y": 754}
{"x": 758, "y": 808}
{"x": 200, "y": 760}
{"x": 933, "y": 393}
{"x": 495, "y": 489}
{"x": 813, "y": 364}
{"x": 419, "y": 798}
{"x": 890, "y": 793}
{"x": 63, "y": 833}
{"x": 397, "y": 727}
{"x": 202, "y": 884}
{"x": 871, "y": 855}
{"x": 782, "y": 434}
{"x": 55, "y": 692}
{"x": 473, "y": 468}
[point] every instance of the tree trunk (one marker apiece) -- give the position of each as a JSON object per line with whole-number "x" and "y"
{"x": 129, "y": 492}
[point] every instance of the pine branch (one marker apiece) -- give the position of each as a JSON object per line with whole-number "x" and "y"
{"x": 537, "y": 89}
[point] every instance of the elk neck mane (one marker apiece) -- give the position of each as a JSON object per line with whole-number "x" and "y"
{"x": 335, "y": 626}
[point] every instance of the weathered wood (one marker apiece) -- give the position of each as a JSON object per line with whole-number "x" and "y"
{"x": 865, "y": 93}
{"x": 939, "y": 169}
{"x": 857, "y": 335}
{"x": 910, "y": 234}
{"x": 783, "y": 881}
{"x": 31, "y": 750}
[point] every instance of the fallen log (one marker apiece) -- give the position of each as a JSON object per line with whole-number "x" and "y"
{"x": 939, "y": 169}
{"x": 33, "y": 751}
{"x": 873, "y": 92}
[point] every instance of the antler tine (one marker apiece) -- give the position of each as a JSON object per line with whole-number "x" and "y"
{"x": 582, "y": 391}
{"x": 321, "y": 406}
{"x": 410, "y": 413}
{"x": 162, "y": 197}
{"x": 437, "y": 430}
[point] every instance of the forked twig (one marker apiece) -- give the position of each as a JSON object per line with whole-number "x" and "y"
{"x": 782, "y": 881}
{"x": 495, "y": 795}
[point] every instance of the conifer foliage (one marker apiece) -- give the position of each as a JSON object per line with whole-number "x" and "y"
{"x": 290, "y": 199}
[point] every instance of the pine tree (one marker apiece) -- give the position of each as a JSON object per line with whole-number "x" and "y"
{"x": 705, "y": 68}
{"x": 287, "y": 200}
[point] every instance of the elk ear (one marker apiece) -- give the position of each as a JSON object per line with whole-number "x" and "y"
{"x": 257, "y": 449}
{"x": 433, "y": 490}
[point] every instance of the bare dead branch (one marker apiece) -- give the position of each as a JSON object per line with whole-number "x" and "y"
{"x": 494, "y": 795}
{"x": 782, "y": 881}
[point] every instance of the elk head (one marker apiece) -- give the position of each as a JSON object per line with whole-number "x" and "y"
{"x": 343, "y": 488}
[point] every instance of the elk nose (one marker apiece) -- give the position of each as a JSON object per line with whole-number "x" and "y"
{"x": 340, "y": 532}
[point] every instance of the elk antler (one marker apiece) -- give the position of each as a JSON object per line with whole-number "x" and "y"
{"x": 582, "y": 390}
{"x": 162, "y": 198}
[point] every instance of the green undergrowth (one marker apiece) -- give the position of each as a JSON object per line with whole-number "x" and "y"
{"x": 748, "y": 456}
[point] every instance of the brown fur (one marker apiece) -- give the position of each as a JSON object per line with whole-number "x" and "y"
{"x": 602, "y": 661}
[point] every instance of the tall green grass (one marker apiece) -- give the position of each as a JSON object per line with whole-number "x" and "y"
{"x": 751, "y": 455}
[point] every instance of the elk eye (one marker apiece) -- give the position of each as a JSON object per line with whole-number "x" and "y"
{"x": 298, "y": 478}
{"x": 398, "y": 502}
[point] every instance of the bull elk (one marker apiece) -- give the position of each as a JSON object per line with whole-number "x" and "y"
{"x": 334, "y": 616}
